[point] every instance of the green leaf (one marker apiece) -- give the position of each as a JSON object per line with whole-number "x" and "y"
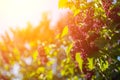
{"x": 65, "y": 31}
{"x": 76, "y": 12}
{"x": 68, "y": 49}
{"x": 118, "y": 13}
{"x": 76, "y": 78}
{"x": 16, "y": 51}
{"x": 79, "y": 60}
{"x": 58, "y": 36}
{"x": 62, "y": 3}
{"x": 103, "y": 65}
{"x": 49, "y": 75}
{"x": 63, "y": 72}
{"x": 35, "y": 55}
{"x": 40, "y": 70}
{"x": 32, "y": 74}
{"x": 90, "y": 63}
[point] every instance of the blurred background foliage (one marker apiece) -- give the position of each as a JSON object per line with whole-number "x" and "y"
{"x": 42, "y": 53}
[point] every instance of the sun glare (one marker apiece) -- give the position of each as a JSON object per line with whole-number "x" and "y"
{"x": 18, "y": 12}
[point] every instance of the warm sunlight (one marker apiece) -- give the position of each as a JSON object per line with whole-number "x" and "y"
{"x": 19, "y": 12}
{"x": 59, "y": 39}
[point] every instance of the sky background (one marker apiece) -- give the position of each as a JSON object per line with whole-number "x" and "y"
{"x": 14, "y": 13}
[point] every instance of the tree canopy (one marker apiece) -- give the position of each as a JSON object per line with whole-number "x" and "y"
{"x": 83, "y": 46}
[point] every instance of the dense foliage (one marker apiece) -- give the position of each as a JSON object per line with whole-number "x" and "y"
{"x": 86, "y": 47}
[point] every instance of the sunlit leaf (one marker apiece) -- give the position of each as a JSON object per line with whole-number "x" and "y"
{"x": 103, "y": 65}
{"x": 79, "y": 60}
{"x": 71, "y": 70}
{"x": 15, "y": 51}
{"x": 32, "y": 44}
{"x": 65, "y": 31}
{"x": 63, "y": 72}
{"x": 6, "y": 67}
{"x": 68, "y": 49}
{"x": 35, "y": 55}
{"x": 90, "y": 63}
{"x": 40, "y": 70}
{"x": 58, "y": 36}
{"x": 118, "y": 14}
{"x": 62, "y": 3}
{"x": 32, "y": 74}
{"x": 49, "y": 75}
{"x": 76, "y": 78}
{"x": 76, "y": 12}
